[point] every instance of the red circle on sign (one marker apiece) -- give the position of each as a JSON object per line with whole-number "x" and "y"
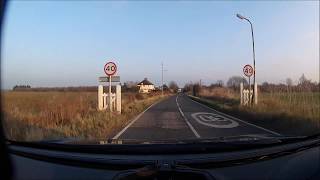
{"x": 108, "y": 72}
{"x": 248, "y": 70}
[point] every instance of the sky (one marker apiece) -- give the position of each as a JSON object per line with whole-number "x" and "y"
{"x": 67, "y": 43}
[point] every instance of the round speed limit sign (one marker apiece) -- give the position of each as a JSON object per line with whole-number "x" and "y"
{"x": 110, "y": 68}
{"x": 248, "y": 70}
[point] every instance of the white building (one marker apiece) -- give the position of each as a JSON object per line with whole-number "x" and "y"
{"x": 145, "y": 86}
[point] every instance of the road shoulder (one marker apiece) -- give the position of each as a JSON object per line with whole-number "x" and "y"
{"x": 137, "y": 117}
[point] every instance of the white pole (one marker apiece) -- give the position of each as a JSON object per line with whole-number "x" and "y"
{"x": 110, "y": 98}
{"x": 255, "y": 93}
{"x": 100, "y": 97}
{"x": 105, "y": 101}
{"x": 241, "y": 93}
{"x": 118, "y": 98}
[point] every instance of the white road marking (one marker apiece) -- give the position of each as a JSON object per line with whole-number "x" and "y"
{"x": 214, "y": 120}
{"x": 231, "y": 117}
{"x": 133, "y": 121}
{"x": 185, "y": 118}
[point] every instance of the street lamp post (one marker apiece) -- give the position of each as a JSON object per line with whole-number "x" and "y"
{"x": 254, "y": 56}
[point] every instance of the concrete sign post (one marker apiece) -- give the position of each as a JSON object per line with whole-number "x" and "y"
{"x": 113, "y": 100}
{"x": 248, "y": 95}
{"x": 110, "y": 69}
{"x": 248, "y": 71}
{"x": 118, "y": 98}
{"x": 100, "y": 97}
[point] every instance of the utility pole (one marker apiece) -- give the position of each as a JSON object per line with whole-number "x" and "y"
{"x": 162, "y": 70}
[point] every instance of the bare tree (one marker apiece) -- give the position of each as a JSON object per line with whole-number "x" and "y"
{"x": 234, "y": 81}
{"x": 289, "y": 82}
{"x": 302, "y": 79}
{"x": 304, "y": 83}
{"x": 220, "y": 83}
{"x": 130, "y": 86}
{"x": 173, "y": 85}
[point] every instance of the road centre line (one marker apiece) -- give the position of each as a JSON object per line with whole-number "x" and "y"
{"x": 234, "y": 118}
{"x": 186, "y": 120}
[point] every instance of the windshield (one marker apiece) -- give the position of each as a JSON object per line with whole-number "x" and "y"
{"x": 159, "y": 72}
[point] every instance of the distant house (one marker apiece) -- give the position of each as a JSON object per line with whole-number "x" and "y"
{"x": 145, "y": 86}
{"x": 21, "y": 87}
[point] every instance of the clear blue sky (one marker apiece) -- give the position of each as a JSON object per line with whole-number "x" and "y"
{"x": 67, "y": 43}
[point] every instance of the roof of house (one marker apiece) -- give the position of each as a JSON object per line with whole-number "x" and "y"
{"x": 145, "y": 82}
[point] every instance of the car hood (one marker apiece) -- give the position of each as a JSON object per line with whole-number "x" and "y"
{"x": 228, "y": 139}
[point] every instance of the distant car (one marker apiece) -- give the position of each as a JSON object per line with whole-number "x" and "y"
{"x": 179, "y": 90}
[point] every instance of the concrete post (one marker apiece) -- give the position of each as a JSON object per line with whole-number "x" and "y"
{"x": 105, "y": 101}
{"x": 118, "y": 98}
{"x": 255, "y": 93}
{"x": 245, "y": 96}
{"x": 114, "y": 101}
{"x": 241, "y": 93}
{"x": 100, "y": 97}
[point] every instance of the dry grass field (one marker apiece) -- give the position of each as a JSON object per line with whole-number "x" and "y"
{"x": 294, "y": 113}
{"x": 33, "y": 116}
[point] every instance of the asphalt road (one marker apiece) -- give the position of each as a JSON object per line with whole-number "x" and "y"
{"x": 179, "y": 117}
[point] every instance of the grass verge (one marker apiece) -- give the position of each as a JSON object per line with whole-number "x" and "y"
{"x": 276, "y": 120}
{"x": 34, "y": 116}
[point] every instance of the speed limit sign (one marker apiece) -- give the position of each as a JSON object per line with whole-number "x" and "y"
{"x": 248, "y": 70}
{"x": 110, "y": 68}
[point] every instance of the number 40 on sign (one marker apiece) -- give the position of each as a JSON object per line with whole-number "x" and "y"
{"x": 248, "y": 70}
{"x": 110, "y": 68}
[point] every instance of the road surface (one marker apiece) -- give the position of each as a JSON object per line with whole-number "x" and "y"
{"x": 179, "y": 117}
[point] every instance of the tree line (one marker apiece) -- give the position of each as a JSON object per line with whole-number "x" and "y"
{"x": 58, "y": 89}
{"x": 128, "y": 86}
{"x": 304, "y": 85}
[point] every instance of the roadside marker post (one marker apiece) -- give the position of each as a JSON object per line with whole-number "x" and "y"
{"x": 118, "y": 98}
{"x": 100, "y": 97}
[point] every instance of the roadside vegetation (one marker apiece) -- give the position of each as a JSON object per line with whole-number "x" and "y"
{"x": 285, "y": 108}
{"x": 48, "y": 115}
